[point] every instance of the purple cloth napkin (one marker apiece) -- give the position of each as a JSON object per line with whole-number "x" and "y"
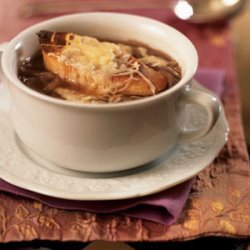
{"x": 163, "y": 207}
{"x": 212, "y": 79}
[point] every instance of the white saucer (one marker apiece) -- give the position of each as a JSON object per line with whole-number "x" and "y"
{"x": 20, "y": 167}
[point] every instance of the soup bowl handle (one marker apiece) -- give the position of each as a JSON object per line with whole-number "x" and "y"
{"x": 212, "y": 107}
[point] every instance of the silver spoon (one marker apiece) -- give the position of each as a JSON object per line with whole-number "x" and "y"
{"x": 204, "y": 11}
{"x": 197, "y": 11}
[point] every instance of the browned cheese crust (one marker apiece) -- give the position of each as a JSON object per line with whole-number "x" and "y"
{"x": 145, "y": 81}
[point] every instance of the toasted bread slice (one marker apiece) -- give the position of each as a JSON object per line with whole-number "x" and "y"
{"x": 98, "y": 68}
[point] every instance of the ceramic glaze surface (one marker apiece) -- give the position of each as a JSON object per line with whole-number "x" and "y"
{"x": 103, "y": 138}
{"x": 21, "y": 167}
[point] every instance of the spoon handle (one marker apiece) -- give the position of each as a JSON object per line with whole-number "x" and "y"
{"x": 63, "y": 7}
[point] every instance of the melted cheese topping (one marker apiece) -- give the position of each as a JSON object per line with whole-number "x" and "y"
{"x": 87, "y": 53}
{"x": 100, "y": 61}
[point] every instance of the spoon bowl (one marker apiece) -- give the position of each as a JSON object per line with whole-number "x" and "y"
{"x": 204, "y": 11}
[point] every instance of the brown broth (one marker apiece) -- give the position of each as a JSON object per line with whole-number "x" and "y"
{"x": 33, "y": 74}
